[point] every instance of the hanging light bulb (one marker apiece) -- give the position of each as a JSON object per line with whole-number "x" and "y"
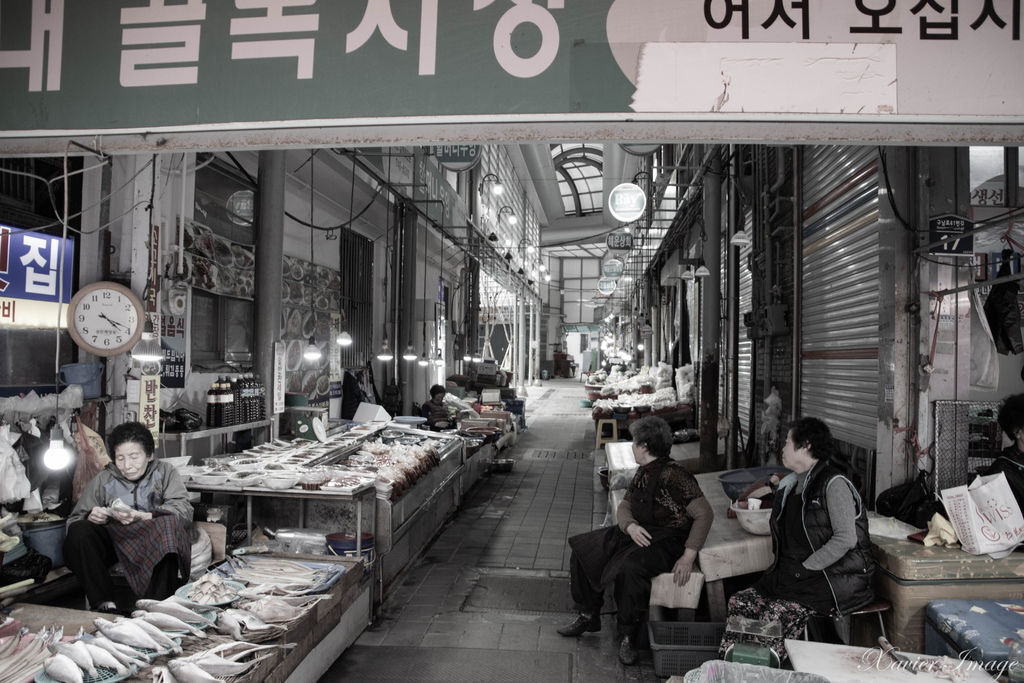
{"x": 147, "y": 349}
{"x": 640, "y": 346}
{"x": 57, "y": 456}
{"x": 312, "y": 352}
{"x": 467, "y": 358}
{"x": 439, "y": 361}
{"x": 423, "y": 362}
{"x": 547, "y": 277}
{"x": 478, "y": 358}
{"x": 702, "y": 271}
{"x": 687, "y": 274}
{"x": 410, "y": 353}
{"x": 385, "y": 352}
{"x": 344, "y": 339}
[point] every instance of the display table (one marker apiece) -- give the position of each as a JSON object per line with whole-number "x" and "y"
{"x": 355, "y": 497}
{"x": 911, "y": 575}
{"x": 319, "y": 636}
{"x": 728, "y": 551}
{"x": 184, "y": 437}
{"x": 851, "y": 664}
{"x": 681, "y": 416}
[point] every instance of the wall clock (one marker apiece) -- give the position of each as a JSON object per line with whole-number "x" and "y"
{"x": 105, "y": 318}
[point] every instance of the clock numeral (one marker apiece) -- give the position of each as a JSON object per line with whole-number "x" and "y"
{"x": 106, "y": 342}
{"x": 85, "y": 330}
{"x": 106, "y": 295}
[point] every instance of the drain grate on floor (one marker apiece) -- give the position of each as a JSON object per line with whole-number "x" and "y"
{"x": 542, "y": 454}
{"x": 381, "y": 663}
{"x": 533, "y": 595}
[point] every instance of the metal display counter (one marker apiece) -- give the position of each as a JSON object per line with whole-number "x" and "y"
{"x": 184, "y": 437}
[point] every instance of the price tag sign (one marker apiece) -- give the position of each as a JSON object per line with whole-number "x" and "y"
{"x": 950, "y": 228}
{"x": 619, "y": 240}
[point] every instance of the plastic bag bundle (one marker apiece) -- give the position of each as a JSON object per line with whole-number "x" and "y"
{"x": 14, "y": 484}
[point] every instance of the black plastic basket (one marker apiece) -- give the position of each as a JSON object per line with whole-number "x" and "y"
{"x": 679, "y": 646}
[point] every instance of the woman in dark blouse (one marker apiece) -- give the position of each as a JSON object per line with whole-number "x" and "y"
{"x": 663, "y": 521}
{"x": 1011, "y": 460}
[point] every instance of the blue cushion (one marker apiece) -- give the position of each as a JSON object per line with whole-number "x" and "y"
{"x": 977, "y": 627}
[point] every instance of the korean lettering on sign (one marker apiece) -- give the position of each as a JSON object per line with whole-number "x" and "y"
{"x": 30, "y": 265}
{"x": 934, "y": 20}
{"x": 161, "y": 43}
{"x": 172, "y": 341}
{"x": 149, "y": 405}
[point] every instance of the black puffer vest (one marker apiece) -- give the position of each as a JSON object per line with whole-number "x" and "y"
{"x": 849, "y": 577}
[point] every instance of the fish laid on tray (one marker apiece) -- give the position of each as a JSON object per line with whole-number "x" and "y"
{"x": 22, "y": 655}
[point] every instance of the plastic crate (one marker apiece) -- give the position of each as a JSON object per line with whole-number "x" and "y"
{"x": 679, "y": 646}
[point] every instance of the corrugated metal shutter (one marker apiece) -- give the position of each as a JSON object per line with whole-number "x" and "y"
{"x": 745, "y": 350}
{"x": 839, "y": 316}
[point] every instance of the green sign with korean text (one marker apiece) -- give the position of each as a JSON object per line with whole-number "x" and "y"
{"x": 140, "y": 67}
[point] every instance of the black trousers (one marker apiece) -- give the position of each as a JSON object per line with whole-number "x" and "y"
{"x": 632, "y": 584}
{"x": 89, "y": 554}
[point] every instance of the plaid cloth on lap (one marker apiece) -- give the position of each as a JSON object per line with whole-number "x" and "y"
{"x": 141, "y": 545}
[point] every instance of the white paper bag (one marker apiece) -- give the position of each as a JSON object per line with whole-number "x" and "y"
{"x": 985, "y": 515}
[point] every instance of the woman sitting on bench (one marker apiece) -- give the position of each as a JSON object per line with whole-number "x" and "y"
{"x": 664, "y": 520}
{"x": 823, "y": 562}
{"x": 136, "y": 512}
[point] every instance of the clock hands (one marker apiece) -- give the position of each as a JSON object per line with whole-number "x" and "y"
{"x": 114, "y": 322}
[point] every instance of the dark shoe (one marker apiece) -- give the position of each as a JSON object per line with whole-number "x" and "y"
{"x": 627, "y": 653}
{"x": 581, "y": 624}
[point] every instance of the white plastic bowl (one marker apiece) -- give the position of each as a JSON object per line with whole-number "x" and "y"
{"x": 280, "y": 481}
{"x": 210, "y": 479}
{"x": 753, "y": 521}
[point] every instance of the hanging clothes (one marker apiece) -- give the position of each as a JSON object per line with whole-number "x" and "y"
{"x": 1002, "y": 313}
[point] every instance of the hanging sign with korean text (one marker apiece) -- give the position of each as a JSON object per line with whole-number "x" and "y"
{"x": 30, "y": 276}
{"x": 620, "y": 240}
{"x": 950, "y": 228}
{"x": 457, "y": 157}
{"x": 613, "y": 268}
{"x": 157, "y": 69}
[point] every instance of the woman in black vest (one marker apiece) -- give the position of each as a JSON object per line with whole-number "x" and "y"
{"x": 823, "y": 563}
{"x": 1011, "y": 460}
{"x": 663, "y": 521}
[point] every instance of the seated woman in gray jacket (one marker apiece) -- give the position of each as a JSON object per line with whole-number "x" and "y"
{"x": 136, "y": 512}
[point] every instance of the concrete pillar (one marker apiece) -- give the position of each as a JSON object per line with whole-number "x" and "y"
{"x": 522, "y": 344}
{"x": 269, "y": 265}
{"x": 412, "y": 281}
{"x": 711, "y": 293}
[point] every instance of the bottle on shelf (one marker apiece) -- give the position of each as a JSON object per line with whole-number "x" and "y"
{"x": 212, "y": 402}
{"x": 261, "y": 400}
{"x": 229, "y": 402}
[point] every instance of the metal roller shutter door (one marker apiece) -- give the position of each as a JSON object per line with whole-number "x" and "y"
{"x": 839, "y": 315}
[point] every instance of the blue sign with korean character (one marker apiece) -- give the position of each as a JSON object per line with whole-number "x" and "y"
{"x": 30, "y": 265}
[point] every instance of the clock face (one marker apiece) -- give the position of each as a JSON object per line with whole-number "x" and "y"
{"x": 105, "y": 318}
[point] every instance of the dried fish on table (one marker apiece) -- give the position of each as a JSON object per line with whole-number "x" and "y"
{"x": 277, "y": 571}
{"x": 245, "y": 626}
{"x": 174, "y": 608}
{"x": 189, "y": 672}
{"x": 125, "y": 654}
{"x": 78, "y": 653}
{"x": 128, "y": 633}
{"x": 103, "y": 658}
{"x": 165, "y": 641}
{"x": 30, "y": 654}
{"x": 167, "y": 623}
{"x": 210, "y": 589}
{"x": 61, "y": 668}
{"x": 272, "y": 610}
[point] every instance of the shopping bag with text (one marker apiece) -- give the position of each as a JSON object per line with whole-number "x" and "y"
{"x": 985, "y": 515}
